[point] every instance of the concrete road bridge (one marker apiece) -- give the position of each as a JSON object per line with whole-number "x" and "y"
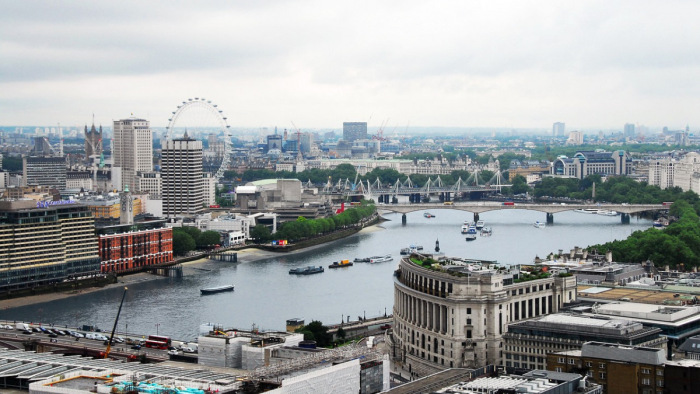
{"x": 477, "y": 207}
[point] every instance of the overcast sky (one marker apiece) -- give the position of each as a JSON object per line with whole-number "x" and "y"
{"x": 591, "y": 64}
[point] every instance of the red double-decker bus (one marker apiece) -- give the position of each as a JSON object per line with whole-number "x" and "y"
{"x": 158, "y": 342}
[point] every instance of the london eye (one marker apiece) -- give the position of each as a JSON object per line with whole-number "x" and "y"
{"x": 199, "y": 116}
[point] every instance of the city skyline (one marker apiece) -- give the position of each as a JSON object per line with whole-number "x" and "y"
{"x": 499, "y": 64}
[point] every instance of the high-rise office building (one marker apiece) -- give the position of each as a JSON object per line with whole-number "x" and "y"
{"x": 44, "y": 171}
{"x": 558, "y": 129}
{"x": 274, "y": 143}
{"x": 354, "y": 131}
{"x": 182, "y": 177}
{"x": 629, "y": 130}
{"x": 45, "y": 242}
{"x": 132, "y": 150}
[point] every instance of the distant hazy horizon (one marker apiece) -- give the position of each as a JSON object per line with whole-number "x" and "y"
{"x": 388, "y": 132}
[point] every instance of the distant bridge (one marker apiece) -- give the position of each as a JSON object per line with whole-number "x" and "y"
{"x": 407, "y": 188}
{"x": 550, "y": 209}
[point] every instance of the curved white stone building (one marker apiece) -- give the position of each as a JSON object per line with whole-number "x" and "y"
{"x": 453, "y": 314}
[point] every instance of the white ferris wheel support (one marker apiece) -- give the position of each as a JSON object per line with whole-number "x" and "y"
{"x": 221, "y": 120}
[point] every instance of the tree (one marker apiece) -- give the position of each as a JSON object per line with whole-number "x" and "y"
{"x": 193, "y": 232}
{"x": 182, "y": 243}
{"x": 344, "y": 171}
{"x": 261, "y": 233}
{"x": 519, "y": 185}
{"x": 208, "y": 238}
{"x": 319, "y": 331}
{"x": 341, "y": 333}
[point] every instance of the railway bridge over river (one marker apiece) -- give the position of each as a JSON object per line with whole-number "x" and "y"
{"x": 549, "y": 209}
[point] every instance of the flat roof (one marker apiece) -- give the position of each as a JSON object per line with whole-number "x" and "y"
{"x": 595, "y": 290}
{"x": 674, "y": 316}
{"x": 647, "y": 296}
{"x": 582, "y": 321}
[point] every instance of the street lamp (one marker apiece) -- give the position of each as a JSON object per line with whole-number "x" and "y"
{"x": 157, "y": 325}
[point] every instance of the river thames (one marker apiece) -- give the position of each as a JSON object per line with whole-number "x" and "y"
{"x": 266, "y": 295}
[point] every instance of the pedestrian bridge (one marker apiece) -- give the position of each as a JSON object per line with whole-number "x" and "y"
{"x": 477, "y": 207}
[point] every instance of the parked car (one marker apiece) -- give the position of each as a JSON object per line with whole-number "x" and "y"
{"x": 28, "y": 332}
{"x": 52, "y": 335}
{"x": 118, "y": 339}
{"x": 136, "y": 347}
{"x": 385, "y": 327}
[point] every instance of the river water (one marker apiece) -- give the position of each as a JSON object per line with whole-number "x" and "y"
{"x": 266, "y": 295}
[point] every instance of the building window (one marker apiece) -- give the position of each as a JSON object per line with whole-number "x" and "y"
{"x": 589, "y": 364}
{"x": 572, "y": 361}
{"x": 560, "y": 360}
{"x": 660, "y": 372}
{"x": 645, "y": 371}
{"x": 646, "y": 381}
{"x": 660, "y": 383}
{"x": 469, "y": 311}
{"x": 557, "y": 369}
{"x": 602, "y": 375}
{"x": 601, "y": 365}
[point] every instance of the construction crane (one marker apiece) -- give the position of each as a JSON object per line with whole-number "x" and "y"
{"x": 111, "y": 337}
{"x": 380, "y": 132}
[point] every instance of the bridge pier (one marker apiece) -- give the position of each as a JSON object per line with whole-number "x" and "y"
{"x": 476, "y": 217}
{"x": 550, "y": 218}
{"x": 403, "y": 219}
{"x": 625, "y": 218}
{"x": 441, "y": 197}
{"x": 447, "y": 196}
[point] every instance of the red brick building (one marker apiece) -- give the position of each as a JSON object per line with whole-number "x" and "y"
{"x": 130, "y": 251}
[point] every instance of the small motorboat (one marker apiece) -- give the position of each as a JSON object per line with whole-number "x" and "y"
{"x": 219, "y": 289}
{"x": 471, "y": 233}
